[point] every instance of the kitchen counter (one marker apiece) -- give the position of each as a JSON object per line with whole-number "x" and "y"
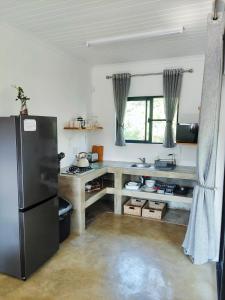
{"x": 180, "y": 172}
{"x": 72, "y": 187}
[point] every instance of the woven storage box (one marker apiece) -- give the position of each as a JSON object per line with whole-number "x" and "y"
{"x": 153, "y": 213}
{"x": 134, "y": 206}
{"x": 137, "y": 201}
{"x": 156, "y": 204}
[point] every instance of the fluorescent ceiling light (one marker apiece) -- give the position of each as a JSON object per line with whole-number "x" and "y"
{"x": 136, "y": 36}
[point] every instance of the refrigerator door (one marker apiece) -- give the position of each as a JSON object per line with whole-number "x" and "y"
{"x": 38, "y": 164}
{"x": 40, "y": 235}
{"x": 9, "y": 217}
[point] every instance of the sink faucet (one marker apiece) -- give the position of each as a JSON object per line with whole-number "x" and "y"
{"x": 142, "y": 159}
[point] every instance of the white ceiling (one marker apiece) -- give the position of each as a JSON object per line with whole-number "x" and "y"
{"x": 68, "y": 24}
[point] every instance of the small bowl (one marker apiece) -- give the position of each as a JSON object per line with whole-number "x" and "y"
{"x": 149, "y": 183}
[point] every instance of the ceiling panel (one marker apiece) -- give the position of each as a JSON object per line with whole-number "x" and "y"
{"x": 68, "y": 24}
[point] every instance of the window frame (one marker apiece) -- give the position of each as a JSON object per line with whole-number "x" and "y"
{"x": 148, "y": 119}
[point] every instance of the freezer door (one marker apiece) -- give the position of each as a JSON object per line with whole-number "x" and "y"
{"x": 40, "y": 235}
{"x": 38, "y": 159}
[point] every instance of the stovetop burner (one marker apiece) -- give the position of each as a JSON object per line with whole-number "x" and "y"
{"x": 78, "y": 170}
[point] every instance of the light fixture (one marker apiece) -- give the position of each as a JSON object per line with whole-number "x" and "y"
{"x": 136, "y": 36}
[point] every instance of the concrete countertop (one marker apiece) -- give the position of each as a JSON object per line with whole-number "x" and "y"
{"x": 181, "y": 172}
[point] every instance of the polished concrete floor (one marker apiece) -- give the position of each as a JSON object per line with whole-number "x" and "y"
{"x": 118, "y": 257}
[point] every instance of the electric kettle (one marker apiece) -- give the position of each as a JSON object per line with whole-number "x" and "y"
{"x": 82, "y": 161}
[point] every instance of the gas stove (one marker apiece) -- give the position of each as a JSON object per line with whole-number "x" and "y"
{"x": 73, "y": 170}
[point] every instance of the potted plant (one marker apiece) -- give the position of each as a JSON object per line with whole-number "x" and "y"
{"x": 23, "y": 99}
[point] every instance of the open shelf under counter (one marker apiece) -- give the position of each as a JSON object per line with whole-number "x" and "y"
{"x": 158, "y": 197}
{"x": 172, "y": 216}
{"x": 92, "y": 197}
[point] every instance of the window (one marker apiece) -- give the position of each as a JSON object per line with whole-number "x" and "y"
{"x": 145, "y": 120}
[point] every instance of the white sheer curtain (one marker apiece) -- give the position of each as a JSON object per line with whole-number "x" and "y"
{"x": 200, "y": 242}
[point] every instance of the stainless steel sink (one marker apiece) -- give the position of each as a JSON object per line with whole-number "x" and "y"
{"x": 140, "y": 165}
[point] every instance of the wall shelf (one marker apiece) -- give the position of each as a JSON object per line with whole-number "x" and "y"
{"x": 85, "y": 129}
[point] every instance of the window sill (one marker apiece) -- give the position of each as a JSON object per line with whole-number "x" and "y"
{"x": 146, "y": 142}
{"x": 141, "y": 142}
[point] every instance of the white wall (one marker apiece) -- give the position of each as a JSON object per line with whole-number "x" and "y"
{"x": 103, "y": 106}
{"x": 57, "y": 84}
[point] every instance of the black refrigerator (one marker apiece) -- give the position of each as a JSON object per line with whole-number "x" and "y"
{"x": 28, "y": 193}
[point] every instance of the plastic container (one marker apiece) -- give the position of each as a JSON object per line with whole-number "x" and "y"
{"x": 65, "y": 211}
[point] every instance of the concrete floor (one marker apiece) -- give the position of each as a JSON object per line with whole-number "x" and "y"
{"x": 119, "y": 257}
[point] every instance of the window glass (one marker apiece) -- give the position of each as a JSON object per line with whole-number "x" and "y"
{"x": 158, "y": 108}
{"x": 135, "y": 119}
{"x": 158, "y": 130}
{"x": 148, "y": 113}
{"x": 145, "y": 120}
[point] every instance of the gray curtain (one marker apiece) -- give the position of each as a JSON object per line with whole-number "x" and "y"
{"x": 121, "y": 86}
{"x": 172, "y": 79}
{"x": 200, "y": 243}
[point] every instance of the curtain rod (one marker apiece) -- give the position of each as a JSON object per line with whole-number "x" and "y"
{"x": 149, "y": 74}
